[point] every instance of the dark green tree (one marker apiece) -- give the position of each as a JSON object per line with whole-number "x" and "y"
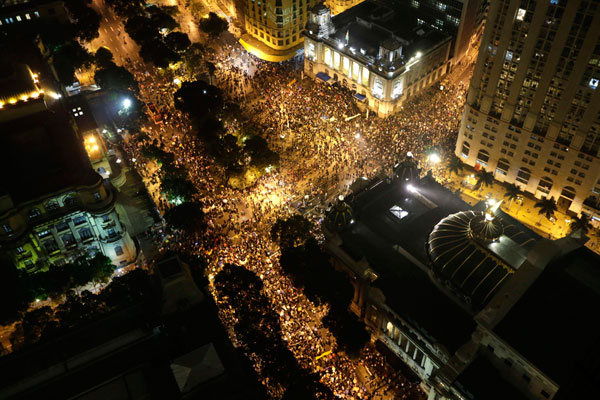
{"x": 512, "y": 193}
{"x": 260, "y": 154}
{"x": 103, "y": 57}
{"x": 158, "y": 53}
{"x": 178, "y": 41}
{"x": 582, "y": 223}
{"x": 188, "y": 216}
{"x": 213, "y": 25}
{"x": 291, "y": 232}
{"x": 455, "y": 165}
{"x": 87, "y": 20}
{"x": 177, "y": 189}
{"x": 117, "y": 79}
{"x": 484, "y": 178}
{"x": 547, "y": 208}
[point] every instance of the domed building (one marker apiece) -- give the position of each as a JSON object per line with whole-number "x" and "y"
{"x": 406, "y": 170}
{"x": 471, "y": 255}
{"x": 340, "y": 216}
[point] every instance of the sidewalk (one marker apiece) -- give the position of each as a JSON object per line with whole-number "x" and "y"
{"x": 523, "y": 209}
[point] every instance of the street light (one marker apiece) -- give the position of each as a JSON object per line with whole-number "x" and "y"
{"x": 126, "y": 103}
{"x": 434, "y": 158}
{"x": 357, "y": 135}
{"x": 411, "y": 188}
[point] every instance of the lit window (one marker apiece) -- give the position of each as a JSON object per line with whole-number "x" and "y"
{"x": 7, "y": 228}
{"x": 593, "y": 83}
{"x": 20, "y": 250}
{"x": 509, "y": 56}
{"x": 27, "y": 16}
{"x": 37, "y": 14}
{"x": 377, "y": 88}
{"x": 397, "y": 91}
{"x": 554, "y": 2}
{"x": 415, "y": 4}
{"x": 441, "y": 6}
{"x": 18, "y": 18}
{"x": 521, "y": 14}
{"x": 118, "y": 250}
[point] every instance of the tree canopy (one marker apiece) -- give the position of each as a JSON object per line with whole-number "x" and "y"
{"x": 291, "y": 232}
{"x": 213, "y": 25}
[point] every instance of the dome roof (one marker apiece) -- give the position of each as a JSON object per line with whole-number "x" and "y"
{"x": 459, "y": 253}
{"x": 407, "y": 170}
{"x": 339, "y": 217}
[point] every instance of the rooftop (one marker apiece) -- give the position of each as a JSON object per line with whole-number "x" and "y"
{"x": 390, "y": 231}
{"x": 483, "y": 381}
{"x": 554, "y": 324}
{"x": 45, "y": 155}
{"x": 369, "y": 25}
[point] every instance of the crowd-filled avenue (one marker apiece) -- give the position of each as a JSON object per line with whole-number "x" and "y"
{"x": 322, "y": 152}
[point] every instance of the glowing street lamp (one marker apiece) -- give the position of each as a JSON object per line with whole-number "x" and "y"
{"x": 411, "y": 188}
{"x": 434, "y": 158}
{"x": 126, "y": 103}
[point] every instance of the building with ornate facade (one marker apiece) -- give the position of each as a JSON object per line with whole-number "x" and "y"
{"x": 54, "y": 206}
{"x": 532, "y": 110}
{"x": 466, "y": 296}
{"x": 274, "y": 27}
{"x": 381, "y": 53}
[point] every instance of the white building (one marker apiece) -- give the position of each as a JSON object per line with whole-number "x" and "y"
{"x": 381, "y": 53}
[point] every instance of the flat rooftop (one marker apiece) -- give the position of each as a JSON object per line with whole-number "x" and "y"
{"x": 408, "y": 288}
{"x": 555, "y": 325}
{"x": 369, "y": 24}
{"x": 44, "y": 154}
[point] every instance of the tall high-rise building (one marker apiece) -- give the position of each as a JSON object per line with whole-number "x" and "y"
{"x": 275, "y": 27}
{"x": 532, "y": 114}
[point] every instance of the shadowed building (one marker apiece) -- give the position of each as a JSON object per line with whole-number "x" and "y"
{"x": 462, "y": 295}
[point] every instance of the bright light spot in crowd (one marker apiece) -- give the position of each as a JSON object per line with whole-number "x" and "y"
{"x": 176, "y": 81}
{"x": 104, "y": 131}
{"x": 133, "y": 159}
{"x": 126, "y": 103}
{"x": 434, "y": 158}
{"x": 341, "y": 198}
{"x": 357, "y": 135}
{"x": 118, "y": 161}
{"x": 411, "y": 188}
{"x": 37, "y": 300}
{"x": 491, "y": 202}
{"x": 409, "y": 154}
{"x": 419, "y": 54}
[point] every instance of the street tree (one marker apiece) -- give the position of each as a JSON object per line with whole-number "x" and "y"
{"x": 582, "y": 223}
{"x": 512, "y": 192}
{"x": 455, "y": 165}
{"x": 484, "y": 178}
{"x": 213, "y": 25}
{"x": 161, "y": 19}
{"x": 350, "y": 333}
{"x": 188, "y": 216}
{"x": 103, "y": 57}
{"x": 177, "y": 189}
{"x": 199, "y": 100}
{"x": 291, "y": 232}
{"x": 260, "y": 154}
{"x": 117, "y": 79}
{"x": 226, "y": 151}
{"x": 158, "y": 53}
{"x": 178, "y": 41}
{"x": 157, "y": 155}
{"x": 87, "y": 20}
{"x": 547, "y": 208}
{"x": 69, "y": 57}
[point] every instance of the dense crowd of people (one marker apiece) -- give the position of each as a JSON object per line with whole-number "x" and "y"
{"x": 321, "y": 155}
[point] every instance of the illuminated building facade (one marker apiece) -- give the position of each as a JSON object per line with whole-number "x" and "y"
{"x": 532, "y": 111}
{"x": 54, "y": 206}
{"x": 380, "y": 53}
{"x": 339, "y": 6}
{"x": 463, "y": 295}
{"x": 278, "y": 24}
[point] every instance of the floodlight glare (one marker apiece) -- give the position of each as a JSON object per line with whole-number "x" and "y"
{"x": 411, "y": 188}
{"x": 434, "y": 158}
{"x": 126, "y": 103}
